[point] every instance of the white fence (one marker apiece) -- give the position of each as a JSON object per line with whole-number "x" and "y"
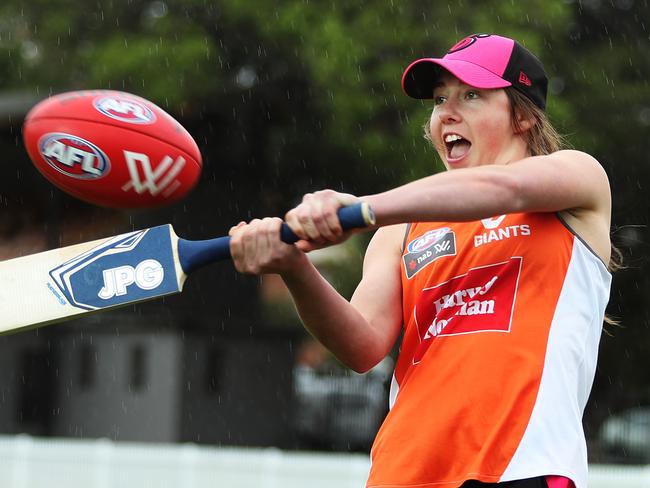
{"x": 27, "y": 462}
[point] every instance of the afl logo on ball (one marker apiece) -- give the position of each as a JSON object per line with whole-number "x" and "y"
{"x": 74, "y": 156}
{"x": 125, "y": 110}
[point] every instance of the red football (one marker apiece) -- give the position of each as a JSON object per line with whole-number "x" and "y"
{"x": 112, "y": 149}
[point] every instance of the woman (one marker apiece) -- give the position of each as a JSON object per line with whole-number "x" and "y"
{"x": 494, "y": 270}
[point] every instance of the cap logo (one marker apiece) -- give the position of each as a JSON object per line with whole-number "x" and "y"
{"x": 524, "y": 80}
{"x": 465, "y": 43}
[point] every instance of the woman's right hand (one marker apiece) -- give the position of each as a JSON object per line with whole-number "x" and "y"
{"x": 256, "y": 248}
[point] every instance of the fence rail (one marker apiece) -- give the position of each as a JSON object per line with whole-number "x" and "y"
{"x": 28, "y": 462}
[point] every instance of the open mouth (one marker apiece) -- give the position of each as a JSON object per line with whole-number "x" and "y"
{"x": 457, "y": 146}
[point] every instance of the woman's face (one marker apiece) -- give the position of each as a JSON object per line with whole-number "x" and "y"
{"x": 471, "y": 126}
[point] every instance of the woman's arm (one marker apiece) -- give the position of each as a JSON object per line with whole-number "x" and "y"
{"x": 569, "y": 182}
{"x": 359, "y": 333}
{"x": 565, "y": 180}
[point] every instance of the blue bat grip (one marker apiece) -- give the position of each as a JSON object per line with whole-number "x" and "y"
{"x": 195, "y": 254}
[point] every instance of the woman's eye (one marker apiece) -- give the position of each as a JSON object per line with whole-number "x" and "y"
{"x": 438, "y": 100}
{"x": 472, "y": 94}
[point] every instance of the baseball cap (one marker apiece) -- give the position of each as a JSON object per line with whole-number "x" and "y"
{"x": 481, "y": 61}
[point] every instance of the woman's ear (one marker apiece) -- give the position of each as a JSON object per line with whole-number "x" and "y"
{"x": 523, "y": 123}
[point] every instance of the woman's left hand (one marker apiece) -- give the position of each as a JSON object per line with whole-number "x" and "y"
{"x": 315, "y": 220}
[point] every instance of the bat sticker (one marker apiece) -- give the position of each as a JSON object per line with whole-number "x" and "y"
{"x": 129, "y": 267}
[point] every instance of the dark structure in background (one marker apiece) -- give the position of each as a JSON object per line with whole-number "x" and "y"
{"x": 146, "y": 384}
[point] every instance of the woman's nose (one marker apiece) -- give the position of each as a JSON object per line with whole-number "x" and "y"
{"x": 448, "y": 113}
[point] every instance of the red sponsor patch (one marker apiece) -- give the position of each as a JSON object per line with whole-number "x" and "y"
{"x": 481, "y": 300}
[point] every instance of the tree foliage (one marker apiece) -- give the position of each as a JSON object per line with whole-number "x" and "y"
{"x": 336, "y": 65}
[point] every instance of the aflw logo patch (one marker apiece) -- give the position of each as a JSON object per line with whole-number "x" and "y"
{"x": 481, "y": 300}
{"x": 427, "y": 248}
{"x": 145, "y": 178}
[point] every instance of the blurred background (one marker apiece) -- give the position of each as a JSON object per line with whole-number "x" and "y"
{"x": 284, "y": 98}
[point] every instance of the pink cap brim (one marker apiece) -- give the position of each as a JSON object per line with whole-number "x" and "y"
{"x": 420, "y": 77}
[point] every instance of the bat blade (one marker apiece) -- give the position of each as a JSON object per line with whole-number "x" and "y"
{"x": 64, "y": 283}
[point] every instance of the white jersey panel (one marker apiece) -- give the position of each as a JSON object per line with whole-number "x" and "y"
{"x": 394, "y": 390}
{"x": 553, "y": 443}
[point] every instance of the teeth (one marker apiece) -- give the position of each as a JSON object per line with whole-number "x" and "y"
{"x": 452, "y": 138}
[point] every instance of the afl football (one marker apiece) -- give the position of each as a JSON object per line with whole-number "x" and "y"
{"x": 112, "y": 149}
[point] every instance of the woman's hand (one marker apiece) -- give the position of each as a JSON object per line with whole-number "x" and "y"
{"x": 315, "y": 220}
{"x": 256, "y": 248}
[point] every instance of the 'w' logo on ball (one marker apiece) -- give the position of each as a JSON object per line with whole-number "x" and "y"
{"x": 145, "y": 178}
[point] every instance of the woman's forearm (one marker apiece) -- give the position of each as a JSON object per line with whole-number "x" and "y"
{"x": 332, "y": 320}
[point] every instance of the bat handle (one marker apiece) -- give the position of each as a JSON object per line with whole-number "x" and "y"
{"x": 195, "y": 254}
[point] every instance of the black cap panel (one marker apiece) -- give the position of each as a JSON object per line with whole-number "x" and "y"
{"x": 526, "y": 73}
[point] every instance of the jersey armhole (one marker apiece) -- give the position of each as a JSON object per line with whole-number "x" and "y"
{"x": 577, "y": 236}
{"x": 406, "y": 234}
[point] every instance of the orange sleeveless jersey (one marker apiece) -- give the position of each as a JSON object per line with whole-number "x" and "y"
{"x": 502, "y": 319}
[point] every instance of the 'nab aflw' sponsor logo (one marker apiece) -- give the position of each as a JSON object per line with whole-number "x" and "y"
{"x": 427, "y": 248}
{"x": 125, "y": 110}
{"x": 73, "y": 156}
{"x": 482, "y": 300}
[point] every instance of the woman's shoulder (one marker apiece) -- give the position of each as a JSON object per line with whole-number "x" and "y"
{"x": 391, "y": 233}
{"x": 577, "y": 157}
{"x": 388, "y": 239}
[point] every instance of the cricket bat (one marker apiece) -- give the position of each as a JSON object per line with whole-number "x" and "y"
{"x": 65, "y": 283}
